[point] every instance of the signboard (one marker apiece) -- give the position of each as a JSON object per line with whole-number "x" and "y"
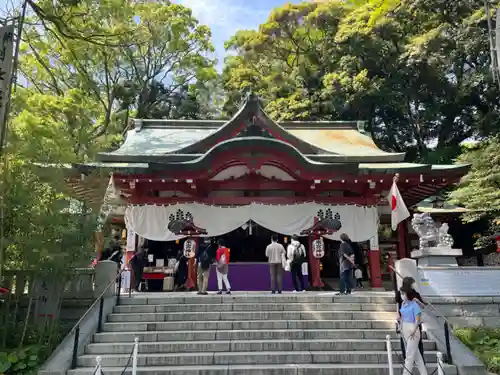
{"x": 459, "y": 281}
{"x": 130, "y": 240}
{"x": 374, "y": 243}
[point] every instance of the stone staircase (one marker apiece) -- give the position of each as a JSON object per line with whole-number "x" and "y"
{"x": 289, "y": 334}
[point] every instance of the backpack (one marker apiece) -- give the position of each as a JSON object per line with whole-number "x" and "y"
{"x": 298, "y": 254}
{"x": 205, "y": 261}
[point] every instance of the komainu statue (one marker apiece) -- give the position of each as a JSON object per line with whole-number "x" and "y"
{"x": 428, "y": 232}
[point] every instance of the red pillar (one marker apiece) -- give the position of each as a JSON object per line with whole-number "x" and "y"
{"x": 191, "y": 279}
{"x": 402, "y": 236}
{"x": 374, "y": 263}
{"x": 314, "y": 263}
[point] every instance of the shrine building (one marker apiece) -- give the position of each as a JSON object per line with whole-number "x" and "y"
{"x": 248, "y": 177}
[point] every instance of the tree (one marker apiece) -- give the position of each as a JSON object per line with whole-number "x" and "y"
{"x": 479, "y": 190}
{"x": 419, "y": 73}
{"x": 148, "y": 54}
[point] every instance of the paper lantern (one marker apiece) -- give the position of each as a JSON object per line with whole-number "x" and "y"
{"x": 177, "y": 242}
{"x": 285, "y": 239}
{"x": 318, "y": 247}
{"x": 189, "y": 248}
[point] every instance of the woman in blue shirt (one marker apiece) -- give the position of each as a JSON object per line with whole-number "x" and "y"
{"x": 410, "y": 317}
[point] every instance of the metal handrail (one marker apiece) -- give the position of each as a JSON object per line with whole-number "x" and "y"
{"x": 100, "y": 300}
{"x": 447, "y": 324}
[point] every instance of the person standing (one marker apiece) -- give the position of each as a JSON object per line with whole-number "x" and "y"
{"x": 222, "y": 269}
{"x": 408, "y": 286}
{"x": 346, "y": 264}
{"x": 275, "y": 253}
{"x": 358, "y": 274}
{"x": 410, "y": 319}
{"x": 204, "y": 261}
{"x": 181, "y": 271}
{"x": 296, "y": 254}
{"x": 137, "y": 263}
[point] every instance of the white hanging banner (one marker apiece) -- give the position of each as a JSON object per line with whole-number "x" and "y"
{"x": 358, "y": 222}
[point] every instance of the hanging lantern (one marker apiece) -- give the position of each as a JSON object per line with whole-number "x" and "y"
{"x": 498, "y": 243}
{"x": 285, "y": 239}
{"x": 177, "y": 242}
{"x": 189, "y": 248}
{"x": 318, "y": 247}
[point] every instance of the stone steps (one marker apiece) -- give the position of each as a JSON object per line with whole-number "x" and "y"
{"x": 246, "y": 346}
{"x": 289, "y": 369}
{"x": 248, "y": 358}
{"x": 286, "y": 334}
{"x": 249, "y": 325}
{"x": 253, "y": 315}
{"x": 251, "y": 299}
{"x": 227, "y": 307}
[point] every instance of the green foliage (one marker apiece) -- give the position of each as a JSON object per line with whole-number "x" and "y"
{"x": 40, "y": 232}
{"x": 485, "y": 343}
{"x": 147, "y": 59}
{"x": 21, "y": 361}
{"x": 479, "y": 190}
{"x": 418, "y": 71}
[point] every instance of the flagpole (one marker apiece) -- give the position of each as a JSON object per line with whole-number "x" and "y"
{"x": 3, "y": 130}
{"x": 395, "y": 179}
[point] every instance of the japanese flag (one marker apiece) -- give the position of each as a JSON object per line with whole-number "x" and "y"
{"x": 399, "y": 210}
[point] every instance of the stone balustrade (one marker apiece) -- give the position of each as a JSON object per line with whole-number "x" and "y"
{"x": 80, "y": 284}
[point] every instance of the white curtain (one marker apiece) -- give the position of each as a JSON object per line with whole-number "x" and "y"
{"x": 358, "y": 222}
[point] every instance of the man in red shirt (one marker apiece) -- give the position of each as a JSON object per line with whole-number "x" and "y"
{"x": 222, "y": 269}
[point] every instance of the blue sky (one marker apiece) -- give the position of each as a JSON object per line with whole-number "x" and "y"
{"x": 224, "y": 17}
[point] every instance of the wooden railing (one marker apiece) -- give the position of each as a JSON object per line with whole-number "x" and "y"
{"x": 79, "y": 286}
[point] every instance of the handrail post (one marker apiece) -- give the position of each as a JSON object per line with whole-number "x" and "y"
{"x": 440, "y": 369}
{"x": 395, "y": 281}
{"x": 447, "y": 340}
{"x": 119, "y": 289}
{"x": 98, "y": 368}
{"x": 389, "y": 354}
{"x": 75, "y": 348}
{"x": 134, "y": 358}
{"x": 132, "y": 282}
{"x": 101, "y": 311}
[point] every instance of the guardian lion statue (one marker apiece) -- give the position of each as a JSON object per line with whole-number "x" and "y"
{"x": 428, "y": 232}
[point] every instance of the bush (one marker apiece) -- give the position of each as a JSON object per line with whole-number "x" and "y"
{"x": 485, "y": 343}
{"x": 21, "y": 361}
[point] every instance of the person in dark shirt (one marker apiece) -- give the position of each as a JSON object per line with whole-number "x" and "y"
{"x": 181, "y": 271}
{"x": 138, "y": 262}
{"x": 346, "y": 265}
{"x": 204, "y": 259}
{"x": 409, "y": 289}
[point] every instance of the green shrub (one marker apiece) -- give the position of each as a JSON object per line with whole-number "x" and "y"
{"x": 485, "y": 343}
{"x": 23, "y": 361}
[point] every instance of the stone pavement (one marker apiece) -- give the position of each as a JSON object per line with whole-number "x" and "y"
{"x": 251, "y": 333}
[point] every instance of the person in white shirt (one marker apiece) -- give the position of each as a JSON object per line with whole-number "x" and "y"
{"x": 296, "y": 254}
{"x": 275, "y": 253}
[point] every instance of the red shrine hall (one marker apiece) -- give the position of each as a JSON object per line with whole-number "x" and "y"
{"x": 248, "y": 177}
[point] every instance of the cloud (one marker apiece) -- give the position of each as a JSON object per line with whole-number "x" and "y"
{"x": 225, "y": 17}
